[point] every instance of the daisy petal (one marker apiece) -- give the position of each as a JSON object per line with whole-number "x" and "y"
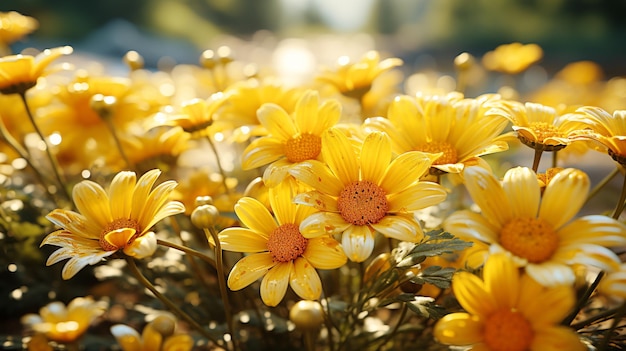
{"x": 417, "y": 197}
{"x": 522, "y": 189}
{"x": 243, "y": 240}
{"x": 143, "y": 246}
{"x": 375, "y": 156}
{"x": 399, "y": 227}
{"x": 501, "y": 279}
{"x": 488, "y": 194}
{"x": 277, "y": 122}
{"x": 323, "y": 223}
{"x": 594, "y": 229}
{"x": 459, "y": 329}
{"x": 262, "y": 151}
{"x": 254, "y": 215}
{"x": 551, "y": 273}
{"x": 250, "y": 268}
{"x": 92, "y": 202}
{"x": 556, "y": 338}
{"x": 340, "y": 156}
{"x": 274, "y": 284}
{"x": 472, "y": 294}
{"x": 405, "y": 170}
{"x": 304, "y": 280}
{"x": 318, "y": 200}
{"x": 317, "y": 175}
{"x": 468, "y": 224}
{"x": 358, "y": 242}
{"x": 121, "y": 203}
{"x": 127, "y": 337}
{"x": 564, "y": 196}
{"x": 325, "y": 253}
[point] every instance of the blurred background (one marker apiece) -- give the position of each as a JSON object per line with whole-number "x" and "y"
{"x": 421, "y": 32}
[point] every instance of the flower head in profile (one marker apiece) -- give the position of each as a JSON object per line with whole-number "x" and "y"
{"x": 157, "y": 147}
{"x": 65, "y": 324}
{"x": 361, "y": 192}
{"x": 18, "y": 73}
{"x": 354, "y": 79}
{"x": 194, "y": 116}
{"x": 108, "y": 222}
{"x": 457, "y": 128}
{"x": 508, "y": 311}
{"x": 512, "y": 58}
{"x": 537, "y": 126}
{"x": 159, "y": 334}
{"x": 607, "y": 131}
{"x": 279, "y": 252}
{"x": 539, "y": 230}
{"x": 291, "y": 138}
{"x": 14, "y": 26}
{"x": 614, "y": 284}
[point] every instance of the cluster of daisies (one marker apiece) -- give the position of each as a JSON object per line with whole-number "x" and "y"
{"x": 321, "y": 175}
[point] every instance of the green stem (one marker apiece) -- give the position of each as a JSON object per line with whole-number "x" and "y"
{"x": 602, "y": 184}
{"x": 598, "y": 317}
{"x": 536, "y": 160}
{"x": 146, "y": 283}
{"x": 188, "y": 251}
{"x": 555, "y": 158}
{"x": 620, "y": 204}
{"x": 51, "y": 158}
{"x": 583, "y": 299}
{"x": 222, "y": 283}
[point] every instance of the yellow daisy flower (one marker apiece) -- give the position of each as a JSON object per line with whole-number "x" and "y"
{"x": 195, "y": 116}
{"x": 245, "y": 98}
{"x": 354, "y": 79}
{"x": 361, "y": 193}
{"x": 539, "y": 127}
{"x": 508, "y": 311}
{"x": 457, "y": 128}
{"x": 109, "y": 222}
{"x": 609, "y": 131}
{"x": 158, "y": 334}
{"x": 540, "y": 231}
{"x": 512, "y": 58}
{"x": 65, "y": 324}
{"x": 291, "y": 138}
{"x": 281, "y": 254}
{"x": 18, "y": 73}
{"x": 155, "y": 148}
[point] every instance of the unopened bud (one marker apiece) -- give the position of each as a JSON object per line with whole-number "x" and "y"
{"x": 164, "y": 325}
{"x": 134, "y": 60}
{"x": 307, "y": 315}
{"x": 207, "y": 59}
{"x": 103, "y": 105}
{"x": 205, "y": 216}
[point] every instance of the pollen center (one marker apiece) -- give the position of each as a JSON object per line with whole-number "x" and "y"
{"x": 286, "y": 243}
{"x": 303, "y": 147}
{"x": 362, "y": 202}
{"x": 545, "y": 130}
{"x": 449, "y": 152}
{"x": 507, "y": 330}
{"x": 117, "y": 234}
{"x": 531, "y": 238}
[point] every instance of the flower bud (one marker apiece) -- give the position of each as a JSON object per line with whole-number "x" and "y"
{"x": 207, "y": 59}
{"x": 164, "y": 325}
{"x": 133, "y": 60}
{"x": 203, "y": 200}
{"x": 464, "y": 61}
{"x": 307, "y": 315}
{"x": 103, "y": 105}
{"x": 205, "y": 216}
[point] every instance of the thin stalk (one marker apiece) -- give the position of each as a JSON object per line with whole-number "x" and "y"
{"x": 602, "y": 184}
{"x": 222, "y": 283}
{"x": 555, "y": 158}
{"x": 118, "y": 143}
{"x": 583, "y": 300}
{"x": 53, "y": 161}
{"x": 620, "y": 204}
{"x": 616, "y": 319}
{"x": 146, "y": 283}
{"x": 188, "y": 251}
{"x": 219, "y": 163}
{"x": 598, "y": 317}
{"x": 536, "y": 159}
{"x": 328, "y": 322}
{"x": 23, "y": 153}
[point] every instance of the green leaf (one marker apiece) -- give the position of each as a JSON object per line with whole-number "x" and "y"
{"x": 435, "y": 275}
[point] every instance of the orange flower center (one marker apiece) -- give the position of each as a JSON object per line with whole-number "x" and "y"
{"x": 286, "y": 243}
{"x": 362, "y": 202}
{"x": 531, "y": 238}
{"x": 303, "y": 147}
{"x": 117, "y": 234}
{"x": 545, "y": 130}
{"x": 507, "y": 330}
{"x": 449, "y": 152}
